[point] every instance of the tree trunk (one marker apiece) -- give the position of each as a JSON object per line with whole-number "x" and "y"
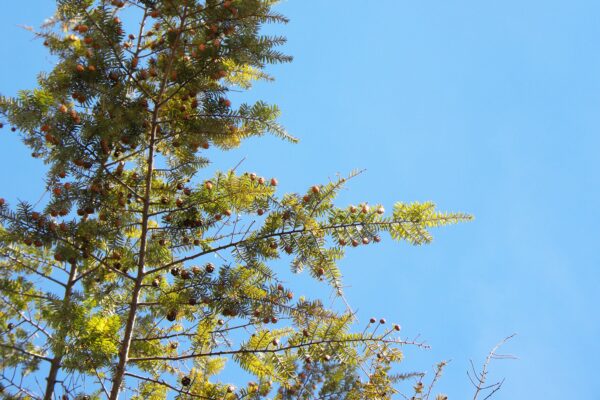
{"x": 118, "y": 375}
{"x": 117, "y": 379}
{"x": 60, "y": 345}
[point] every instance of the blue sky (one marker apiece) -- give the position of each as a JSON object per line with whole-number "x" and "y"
{"x": 489, "y": 107}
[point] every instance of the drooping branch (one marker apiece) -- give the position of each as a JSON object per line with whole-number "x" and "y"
{"x": 31, "y": 269}
{"x": 25, "y": 352}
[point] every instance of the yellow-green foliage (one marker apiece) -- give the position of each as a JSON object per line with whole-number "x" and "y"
{"x": 143, "y": 273}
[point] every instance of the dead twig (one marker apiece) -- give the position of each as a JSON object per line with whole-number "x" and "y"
{"x": 479, "y": 379}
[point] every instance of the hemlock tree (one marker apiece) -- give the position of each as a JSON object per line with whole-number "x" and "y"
{"x": 108, "y": 290}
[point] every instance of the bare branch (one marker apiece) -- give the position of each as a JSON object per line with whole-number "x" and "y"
{"x": 482, "y": 376}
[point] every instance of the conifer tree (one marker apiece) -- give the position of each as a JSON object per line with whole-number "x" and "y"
{"x": 111, "y": 290}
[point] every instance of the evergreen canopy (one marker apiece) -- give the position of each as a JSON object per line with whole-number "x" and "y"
{"x": 110, "y": 290}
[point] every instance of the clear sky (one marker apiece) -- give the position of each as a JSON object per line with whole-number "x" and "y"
{"x": 489, "y": 107}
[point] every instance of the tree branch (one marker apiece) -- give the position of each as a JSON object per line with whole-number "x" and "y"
{"x": 267, "y": 350}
